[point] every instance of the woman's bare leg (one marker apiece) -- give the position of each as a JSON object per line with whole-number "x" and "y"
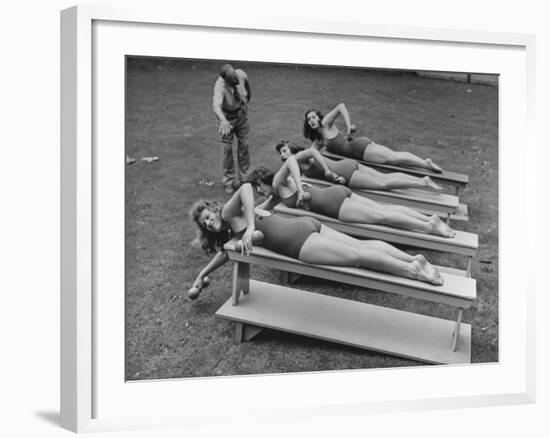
{"x": 369, "y": 203}
{"x": 436, "y": 224}
{"x": 356, "y": 211}
{"x": 368, "y": 178}
{"x": 378, "y": 153}
{"x": 408, "y": 211}
{"x": 419, "y": 263}
{"x": 358, "y": 243}
{"x": 330, "y": 247}
{"x": 427, "y": 268}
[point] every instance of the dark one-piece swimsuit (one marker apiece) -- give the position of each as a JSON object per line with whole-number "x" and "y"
{"x": 352, "y": 149}
{"x": 344, "y": 168}
{"x": 284, "y": 235}
{"x": 326, "y": 200}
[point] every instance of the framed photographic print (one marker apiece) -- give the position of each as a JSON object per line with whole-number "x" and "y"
{"x": 317, "y": 219}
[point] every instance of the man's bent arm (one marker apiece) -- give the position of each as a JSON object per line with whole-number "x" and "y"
{"x": 217, "y": 102}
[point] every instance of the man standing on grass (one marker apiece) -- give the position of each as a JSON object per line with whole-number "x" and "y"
{"x": 230, "y": 104}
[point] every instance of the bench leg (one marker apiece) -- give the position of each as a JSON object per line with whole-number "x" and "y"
{"x": 245, "y": 332}
{"x": 241, "y": 280}
{"x": 457, "y": 189}
{"x": 456, "y": 331}
{"x": 469, "y": 268}
{"x": 448, "y": 220}
{"x": 238, "y": 335}
{"x": 288, "y": 277}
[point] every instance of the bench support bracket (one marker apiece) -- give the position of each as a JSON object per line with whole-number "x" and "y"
{"x": 456, "y": 330}
{"x": 241, "y": 276}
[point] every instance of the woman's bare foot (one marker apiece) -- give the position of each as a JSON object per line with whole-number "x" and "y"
{"x": 440, "y": 228}
{"x": 425, "y": 271}
{"x": 430, "y": 184}
{"x": 432, "y": 166}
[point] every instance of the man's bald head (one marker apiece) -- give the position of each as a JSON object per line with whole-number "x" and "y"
{"x": 229, "y": 75}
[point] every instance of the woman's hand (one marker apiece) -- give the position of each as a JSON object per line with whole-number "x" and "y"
{"x": 331, "y": 176}
{"x": 350, "y": 131}
{"x": 300, "y": 200}
{"x": 198, "y": 285}
{"x": 340, "y": 180}
{"x": 201, "y": 282}
{"x": 247, "y": 246}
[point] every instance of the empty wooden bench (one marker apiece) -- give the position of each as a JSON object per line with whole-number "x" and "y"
{"x": 454, "y": 179}
{"x": 463, "y": 243}
{"x": 441, "y": 204}
{"x": 348, "y": 322}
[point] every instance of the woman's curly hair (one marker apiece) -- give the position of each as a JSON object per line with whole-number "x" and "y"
{"x": 260, "y": 175}
{"x": 294, "y": 148}
{"x": 309, "y": 132}
{"x": 210, "y": 241}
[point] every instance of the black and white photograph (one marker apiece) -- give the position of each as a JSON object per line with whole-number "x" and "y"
{"x": 275, "y": 219}
{"x": 291, "y": 218}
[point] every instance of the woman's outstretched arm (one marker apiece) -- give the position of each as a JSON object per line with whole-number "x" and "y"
{"x": 241, "y": 204}
{"x": 218, "y": 260}
{"x": 340, "y": 109}
{"x": 292, "y": 168}
{"x": 246, "y": 194}
{"x": 316, "y": 155}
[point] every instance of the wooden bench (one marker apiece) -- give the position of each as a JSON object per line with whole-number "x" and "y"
{"x": 463, "y": 243}
{"x": 456, "y": 180}
{"x": 362, "y": 325}
{"x": 461, "y": 213}
{"x": 438, "y": 203}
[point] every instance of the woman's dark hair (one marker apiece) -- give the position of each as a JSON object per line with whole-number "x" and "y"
{"x": 261, "y": 175}
{"x": 309, "y": 133}
{"x": 294, "y": 148}
{"x": 210, "y": 241}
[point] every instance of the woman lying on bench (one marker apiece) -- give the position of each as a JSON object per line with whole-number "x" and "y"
{"x": 339, "y": 202}
{"x": 322, "y": 131}
{"x": 305, "y": 239}
{"x": 349, "y": 172}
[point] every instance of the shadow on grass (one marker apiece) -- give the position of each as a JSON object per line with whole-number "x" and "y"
{"x": 51, "y": 417}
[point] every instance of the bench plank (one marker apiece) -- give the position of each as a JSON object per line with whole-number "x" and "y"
{"x": 456, "y": 291}
{"x": 420, "y": 199}
{"x": 461, "y": 213}
{"x": 351, "y": 323}
{"x": 452, "y": 178}
{"x": 463, "y": 243}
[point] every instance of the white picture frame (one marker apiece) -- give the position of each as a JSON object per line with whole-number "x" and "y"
{"x": 86, "y": 394}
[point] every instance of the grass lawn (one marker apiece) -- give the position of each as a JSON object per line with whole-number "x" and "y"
{"x": 169, "y": 115}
